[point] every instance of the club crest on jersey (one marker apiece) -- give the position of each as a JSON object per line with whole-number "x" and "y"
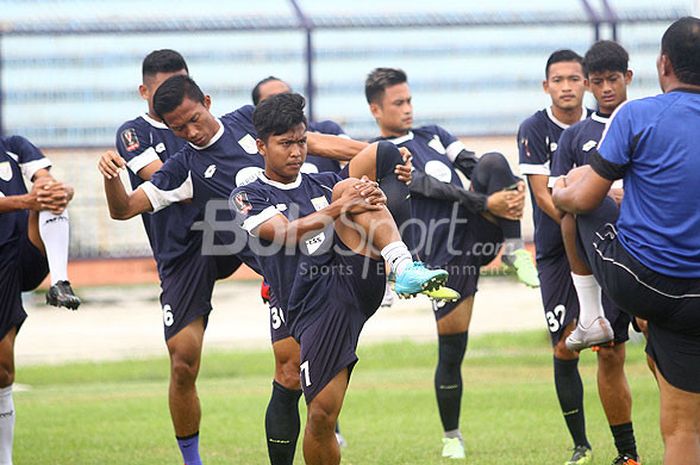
{"x": 438, "y": 170}
{"x": 319, "y": 203}
{"x": 130, "y": 140}
{"x": 248, "y": 144}
{"x": 211, "y": 169}
{"x": 5, "y": 171}
{"x": 589, "y": 145}
{"x": 241, "y": 203}
{"x": 160, "y": 148}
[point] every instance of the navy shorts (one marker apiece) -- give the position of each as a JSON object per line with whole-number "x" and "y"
{"x": 22, "y": 268}
{"x": 481, "y": 242}
{"x": 278, "y": 320}
{"x": 671, "y": 305}
{"x": 187, "y": 288}
{"x": 560, "y": 301}
{"x": 329, "y": 336}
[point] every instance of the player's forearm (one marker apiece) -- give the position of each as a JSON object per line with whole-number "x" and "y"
{"x": 312, "y": 223}
{"x": 573, "y": 199}
{"x": 334, "y": 147}
{"x": 118, "y": 201}
{"x": 14, "y": 203}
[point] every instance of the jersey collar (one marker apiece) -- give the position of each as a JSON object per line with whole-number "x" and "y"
{"x": 280, "y": 185}
{"x": 213, "y": 140}
{"x": 550, "y": 115}
{"x": 402, "y": 139}
{"x": 599, "y": 118}
{"x": 154, "y": 123}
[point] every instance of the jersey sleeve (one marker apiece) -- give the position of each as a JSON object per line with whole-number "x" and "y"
{"x": 328, "y": 127}
{"x": 28, "y": 156}
{"x": 170, "y": 184}
{"x": 252, "y": 207}
{"x": 453, "y": 146}
{"x": 532, "y": 151}
{"x": 564, "y": 158}
{"x": 614, "y": 153}
{"x": 133, "y": 145}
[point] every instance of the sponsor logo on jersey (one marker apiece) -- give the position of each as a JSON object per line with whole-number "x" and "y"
{"x": 436, "y": 145}
{"x": 438, "y": 170}
{"x": 248, "y": 144}
{"x": 209, "y": 172}
{"x": 589, "y": 145}
{"x": 130, "y": 140}
{"x": 241, "y": 203}
{"x": 160, "y": 148}
{"x": 319, "y": 203}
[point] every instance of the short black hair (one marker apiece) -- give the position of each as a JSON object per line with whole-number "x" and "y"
{"x": 605, "y": 55}
{"x": 379, "y": 79}
{"x": 278, "y": 114}
{"x": 681, "y": 44}
{"x": 163, "y": 61}
{"x": 172, "y": 93}
{"x": 561, "y": 56}
{"x": 255, "y": 95}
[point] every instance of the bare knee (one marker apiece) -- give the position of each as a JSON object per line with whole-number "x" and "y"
{"x": 287, "y": 373}
{"x": 183, "y": 370}
{"x": 321, "y": 419}
{"x": 560, "y": 350}
{"x": 342, "y": 186}
{"x": 612, "y": 358}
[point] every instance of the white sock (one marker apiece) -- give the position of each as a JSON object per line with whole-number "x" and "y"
{"x": 54, "y": 231}
{"x": 589, "y": 298}
{"x": 398, "y": 256}
{"x": 7, "y": 425}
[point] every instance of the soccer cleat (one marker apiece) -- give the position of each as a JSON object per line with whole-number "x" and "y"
{"x": 624, "y": 459}
{"x": 62, "y": 295}
{"x": 521, "y": 261}
{"x": 416, "y": 278}
{"x": 452, "y": 448}
{"x": 598, "y": 334}
{"x": 581, "y": 456}
{"x": 388, "y": 299}
{"x": 443, "y": 294}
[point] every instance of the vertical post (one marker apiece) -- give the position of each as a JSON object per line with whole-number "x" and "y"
{"x": 611, "y": 17}
{"x": 2, "y": 95}
{"x": 308, "y": 26}
{"x": 592, "y": 17}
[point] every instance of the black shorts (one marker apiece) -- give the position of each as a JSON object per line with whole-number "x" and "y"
{"x": 278, "y": 320}
{"x": 671, "y": 305}
{"x": 329, "y": 338}
{"x": 22, "y": 268}
{"x": 481, "y": 242}
{"x": 560, "y": 301}
{"x": 187, "y": 288}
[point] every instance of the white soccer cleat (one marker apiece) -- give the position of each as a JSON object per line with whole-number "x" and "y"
{"x": 452, "y": 448}
{"x": 598, "y": 333}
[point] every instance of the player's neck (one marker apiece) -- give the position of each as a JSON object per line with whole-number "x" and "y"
{"x": 388, "y": 133}
{"x": 151, "y": 114}
{"x": 272, "y": 176}
{"x": 567, "y": 116}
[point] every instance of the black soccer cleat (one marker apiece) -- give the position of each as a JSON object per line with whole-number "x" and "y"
{"x": 62, "y": 295}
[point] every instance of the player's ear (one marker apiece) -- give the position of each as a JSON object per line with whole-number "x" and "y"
{"x": 375, "y": 109}
{"x": 143, "y": 91}
{"x": 545, "y": 86}
{"x": 261, "y": 146}
{"x": 628, "y": 76}
{"x": 207, "y": 102}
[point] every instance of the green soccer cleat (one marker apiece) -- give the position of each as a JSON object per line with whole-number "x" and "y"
{"x": 581, "y": 456}
{"x": 416, "y": 278}
{"x": 452, "y": 448}
{"x": 443, "y": 294}
{"x": 521, "y": 261}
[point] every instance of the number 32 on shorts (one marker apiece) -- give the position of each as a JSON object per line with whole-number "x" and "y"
{"x": 555, "y": 318}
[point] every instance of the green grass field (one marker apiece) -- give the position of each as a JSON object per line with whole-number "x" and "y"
{"x": 116, "y": 413}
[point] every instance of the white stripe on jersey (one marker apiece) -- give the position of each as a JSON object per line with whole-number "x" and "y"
{"x": 160, "y": 199}
{"x": 30, "y": 168}
{"x": 253, "y": 222}
{"x": 453, "y": 150}
{"x": 529, "y": 168}
{"x": 142, "y": 160}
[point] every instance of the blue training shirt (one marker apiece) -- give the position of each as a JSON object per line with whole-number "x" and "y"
{"x": 291, "y": 271}
{"x": 19, "y": 159}
{"x": 438, "y": 237}
{"x": 538, "y": 138}
{"x": 140, "y": 142}
{"x": 653, "y": 144}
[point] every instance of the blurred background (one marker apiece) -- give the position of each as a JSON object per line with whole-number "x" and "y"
{"x": 69, "y": 70}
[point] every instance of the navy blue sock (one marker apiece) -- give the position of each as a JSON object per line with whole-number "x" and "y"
{"x": 282, "y": 424}
{"x": 624, "y": 439}
{"x": 189, "y": 448}
{"x": 567, "y": 381}
{"x": 448, "y": 378}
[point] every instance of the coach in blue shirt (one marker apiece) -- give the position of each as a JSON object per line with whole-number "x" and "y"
{"x": 648, "y": 262}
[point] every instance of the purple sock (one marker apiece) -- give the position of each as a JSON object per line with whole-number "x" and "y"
{"x": 189, "y": 447}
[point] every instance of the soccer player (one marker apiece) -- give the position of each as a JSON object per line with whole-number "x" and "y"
{"x": 33, "y": 241}
{"x": 457, "y": 234}
{"x": 538, "y": 138}
{"x": 606, "y": 76}
{"x": 326, "y": 271}
{"x": 647, "y": 260}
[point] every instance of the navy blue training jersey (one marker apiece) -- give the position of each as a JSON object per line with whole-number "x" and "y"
{"x": 318, "y": 164}
{"x": 19, "y": 159}
{"x": 292, "y": 271}
{"x": 576, "y": 144}
{"x": 538, "y": 138}
{"x": 140, "y": 142}
{"x": 434, "y": 151}
{"x": 205, "y": 173}
{"x": 653, "y": 145}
